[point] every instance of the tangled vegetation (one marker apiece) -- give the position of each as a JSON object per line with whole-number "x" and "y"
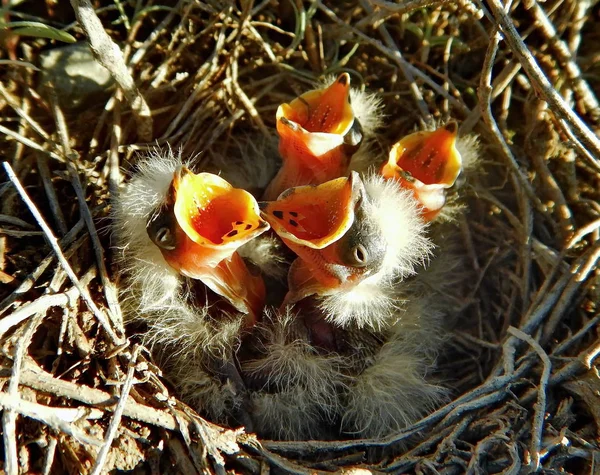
{"x": 79, "y": 397}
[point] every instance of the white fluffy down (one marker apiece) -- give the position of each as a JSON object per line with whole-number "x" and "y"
{"x": 392, "y": 393}
{"x": 291, "y": 415}
{"x": 266, "y": 253}
{"x": 301, "y": 389}
{"x": 468, "y": 147}
{"x": 156, "y": 293}
{"x": 375, "y": 301}
{"x": 397, "y": 214}
{"x": 203, "y": 390}
{"x": 367, "y": 107}
{"x": 140, "y": 259}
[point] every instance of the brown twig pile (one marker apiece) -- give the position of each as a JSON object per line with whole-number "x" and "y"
{"x": 79, "y": 397}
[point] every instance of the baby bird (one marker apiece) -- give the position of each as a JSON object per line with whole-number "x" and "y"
{"x": 429, "y": 163}
{"x": 352, "y": 238}
{"x": 352, "y": 348}
{"x": 198, "y": 227}
{"x": 174, "y": 231}
{"x": 318, "y": 134}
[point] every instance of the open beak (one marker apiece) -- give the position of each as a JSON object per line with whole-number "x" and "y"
{"x": 427, "y": 163}
{"x": 324, "y": 110}
{"x": 318, "y": 134}
{"x": 204, "y": 221}
{"x": 329, "y": 229}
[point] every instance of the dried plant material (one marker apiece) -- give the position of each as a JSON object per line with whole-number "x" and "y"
{"x": 111, "y": 57}
{"x": 587, "y": 389}
{"x": 521, "y": 239}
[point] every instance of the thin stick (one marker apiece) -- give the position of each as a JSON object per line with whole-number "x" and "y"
{"x": 392, "y": 54}
{"x": 389, "y": 9}
{"x": 539, "y": 157}
{"x": 111, "y": 432}
{"x": 59, "y": 218}
{"x": 565, "y": 59}
{"x": 208, "y": 69}
{"x": 484, "y": 94}
{"x": 117, "y": 341}
{"x": 564, "y": 345}
{"x": 21, "y": 113}
{"x": 32, "y": 278}
{"x": 43, "y": 303}
{"x": 28, "y": 142}
{"x": 110, "y": 290}
{"x": 402, "y": 64}
{"x": 582, "y": 232}
{"x": 578, "y": 275}
{"x": 58, "y": 418}
{"x": 36, "y": 378}
{"x": 180, "y": 457}
{"x": 245, "y": 100}
{"x": 540, "y": 405}
{"x": 161, "y": 28}
{"x": 110, "y": 56}
{"x": 9, "y": 418}
{"x": 114, "y": 171}
{"x": 50, "y": 452}
{"x": 543, "y": 86}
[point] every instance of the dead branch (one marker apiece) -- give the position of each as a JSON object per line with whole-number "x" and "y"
{"x": 110, "y": 56}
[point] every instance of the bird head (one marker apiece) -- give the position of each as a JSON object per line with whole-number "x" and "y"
{"x": 318, "y": 134}
{"x": 326, "y": 225}
{"x": 199, "y": 227}
{"x": 427, "y": 163}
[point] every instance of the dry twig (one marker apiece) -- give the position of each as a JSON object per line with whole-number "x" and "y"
{"x": 111, "y": 57}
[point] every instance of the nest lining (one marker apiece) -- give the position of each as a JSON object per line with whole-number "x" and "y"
{"x": 522, "y": 355}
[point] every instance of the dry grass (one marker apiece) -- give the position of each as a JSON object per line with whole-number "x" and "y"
{"x": 77, "y": 397}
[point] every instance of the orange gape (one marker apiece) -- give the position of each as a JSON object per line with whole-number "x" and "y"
{"x": 428, "y": 164}
{"x": 211, "y": 221}
{"x": 326, "y": 227}
{"x": 318, "y": 134}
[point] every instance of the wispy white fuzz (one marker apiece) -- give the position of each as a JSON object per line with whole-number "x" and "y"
{"x": 374, "y": 301}
{"x": 298, "y": 387}
{"x": 266, "y": 253}
{"x": 367, "y": 107}
{"x": 392, "y": 393}
{"x": 398, "y": 217}
{"x": 468, "y": 147}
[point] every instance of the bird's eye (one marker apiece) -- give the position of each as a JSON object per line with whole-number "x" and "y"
{"x": 354, "y": 138}
{"x": 360, "y": 255}
{"x": 160, "y": 230}
{"x": 163, "y": 236}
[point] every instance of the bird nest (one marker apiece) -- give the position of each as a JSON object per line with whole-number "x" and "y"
{"x": 80, "y": 394}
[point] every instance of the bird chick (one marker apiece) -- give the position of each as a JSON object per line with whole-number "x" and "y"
{"x": 177, "y": 223}
{"x": 198, "y": 228}
{"x": 415, "y": 160}
{"x": 427, "y": 163}
{"x": 318, "y": 134}
{"x": 353, "y": 238}
{"x": 171, "y": 226}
